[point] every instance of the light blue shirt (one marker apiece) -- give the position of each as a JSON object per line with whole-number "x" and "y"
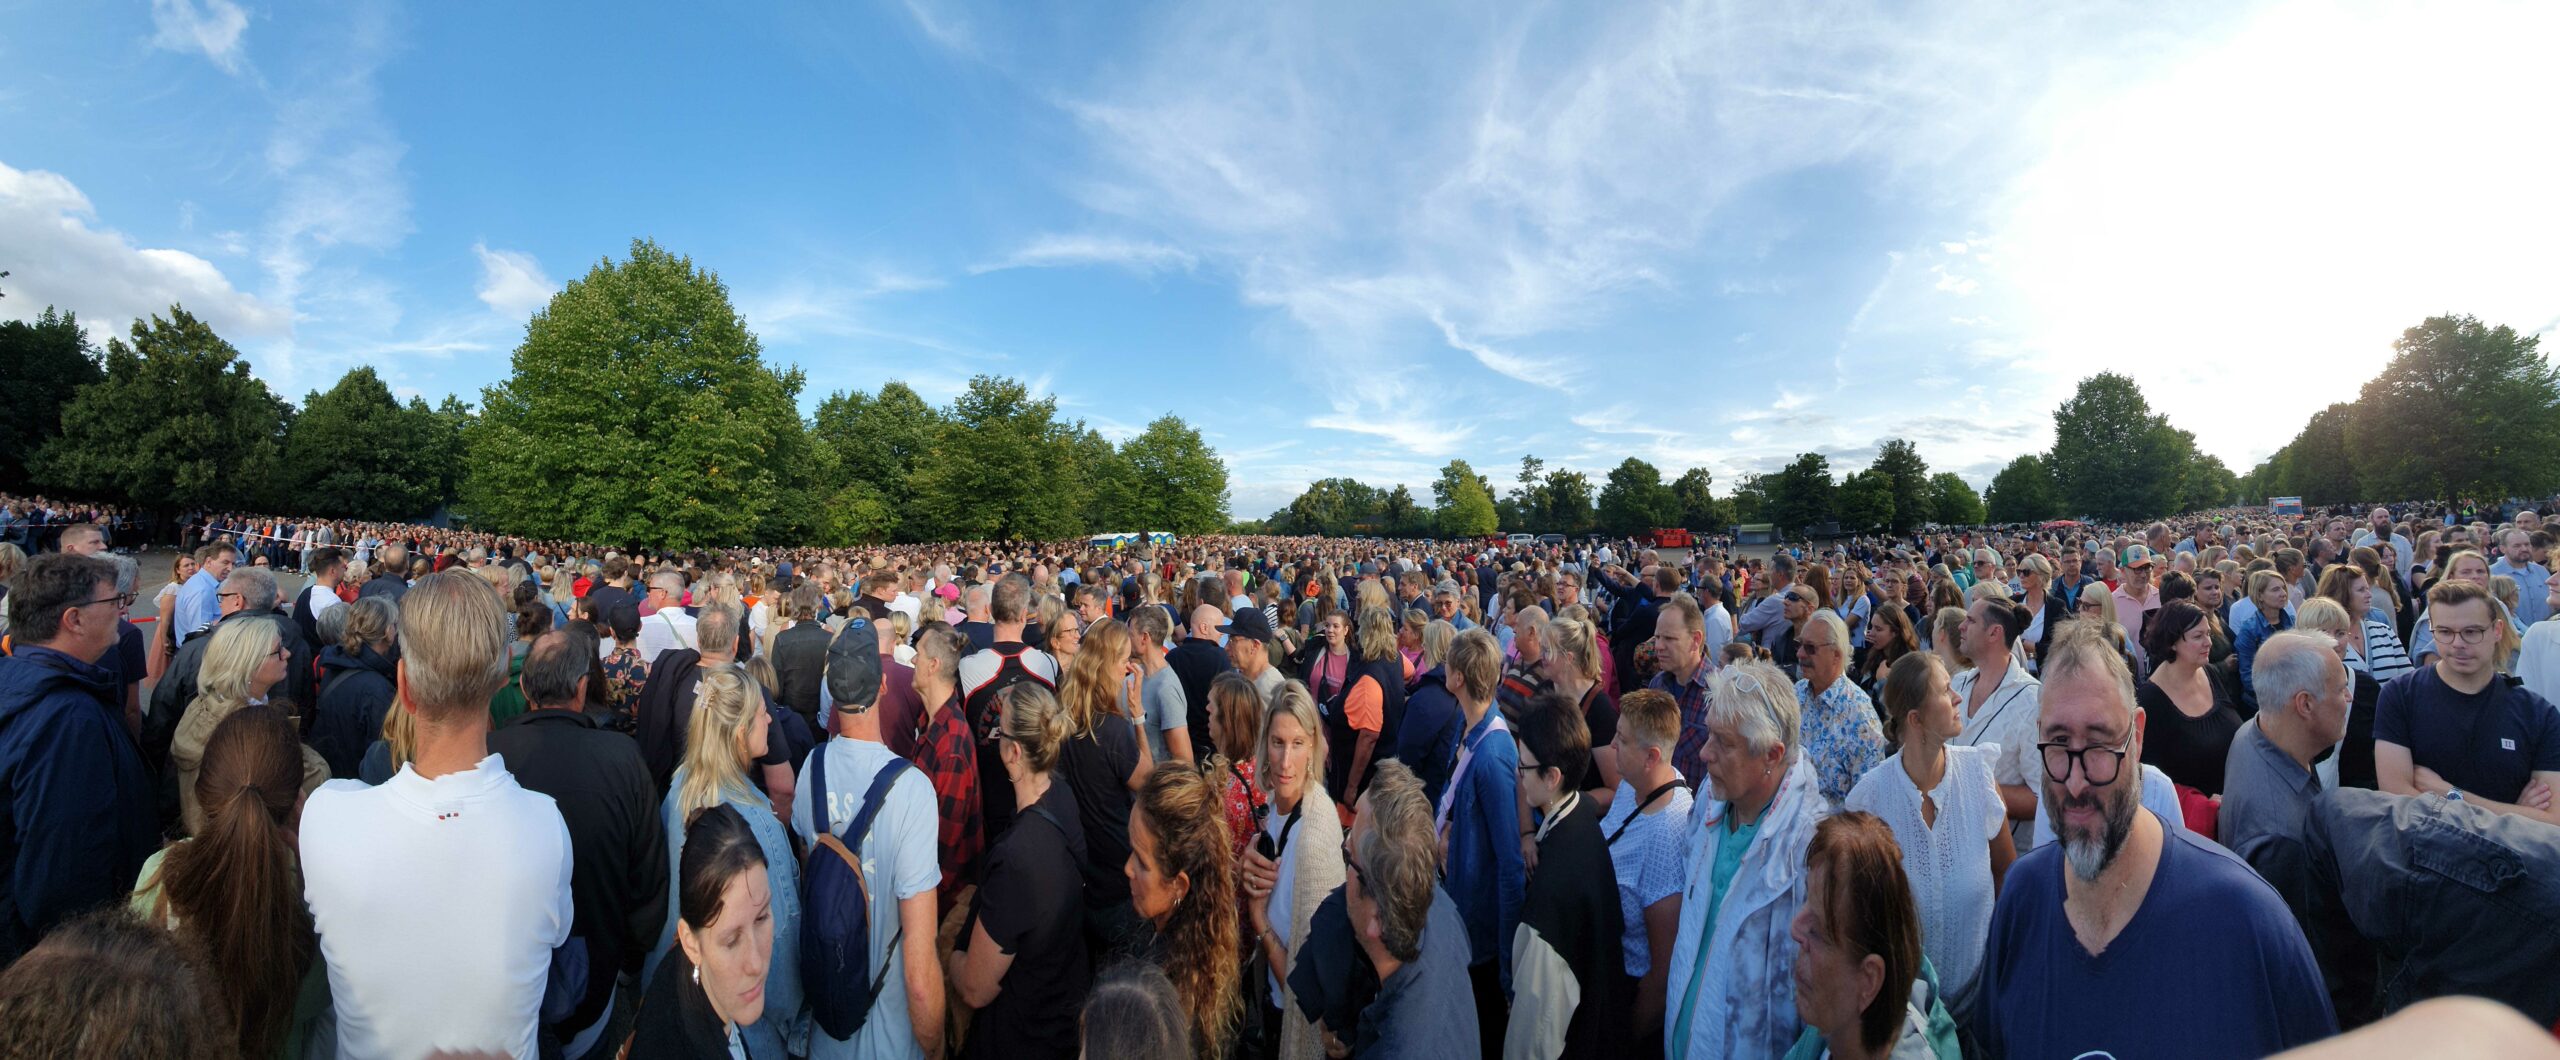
{"x": 900, "y": 861}
{"x": 2533, "y": 601}
{"x": 199, "y": 604}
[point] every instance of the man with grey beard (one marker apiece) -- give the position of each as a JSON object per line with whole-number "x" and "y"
{"x": 2126, "y": 905}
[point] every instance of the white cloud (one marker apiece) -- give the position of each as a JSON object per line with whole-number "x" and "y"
{"x": 59, "y": 256}
{"x": 1409, "y": 431}
{"x": 1954, "y": 249}
{"x": 511, "y": 282}
{"x": 939, "y": 25}
{"x": 1954, "y": 284}
{"x": 2252, "y": 226}
{"x": 1066, "y": 251}
{"x": 212, "y": 27}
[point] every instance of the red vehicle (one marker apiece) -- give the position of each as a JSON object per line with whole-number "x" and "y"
{"x": 1670, "y": 537}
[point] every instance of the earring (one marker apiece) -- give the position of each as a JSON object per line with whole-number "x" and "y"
{"x": 697, "y": 975}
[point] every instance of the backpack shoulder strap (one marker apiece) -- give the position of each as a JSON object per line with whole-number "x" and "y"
{"x": 818, "y": 790}
{"x": 874, "y": 799}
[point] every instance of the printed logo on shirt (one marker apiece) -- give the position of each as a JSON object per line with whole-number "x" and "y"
{"x": 2506, "y": 744}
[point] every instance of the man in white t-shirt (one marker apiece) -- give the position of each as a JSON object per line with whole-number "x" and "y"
{"x": 900, "y": 859}
{"x": 440, "y": 895}
{"x": 669, "y": 627}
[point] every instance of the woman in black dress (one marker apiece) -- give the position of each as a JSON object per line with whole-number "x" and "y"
{"x": 2190, "y": 710}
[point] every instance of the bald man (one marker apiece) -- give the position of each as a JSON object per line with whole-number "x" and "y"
{"x": 1197, "y": 661}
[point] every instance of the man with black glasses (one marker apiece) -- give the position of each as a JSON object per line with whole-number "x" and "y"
{"x": 2459, "y": 729}
{"x": 2215, "y": 951}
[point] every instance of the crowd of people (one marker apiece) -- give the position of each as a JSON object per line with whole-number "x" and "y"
{"x": 2218, "y": 786}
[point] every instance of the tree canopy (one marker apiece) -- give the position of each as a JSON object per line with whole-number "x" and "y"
{"x": 1635, "y": 500}
{"x": 175, "y": 420}
{"x": 354, "y": 452}
{"x": 43, "y": 364}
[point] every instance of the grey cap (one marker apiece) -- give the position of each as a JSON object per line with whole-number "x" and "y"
{"x": 853, "y": 666}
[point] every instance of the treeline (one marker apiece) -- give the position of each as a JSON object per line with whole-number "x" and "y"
{"x": 2462, "y": 410}
{"x": 639, "y": 410}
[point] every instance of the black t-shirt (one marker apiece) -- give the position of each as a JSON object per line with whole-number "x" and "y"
{"x": 1096, "y": 768}
{"x": 2492, "y": 741}
{"x": 2190, "y": 750}
{"x": 601, "y": 597}
{"x": 1032, "y": 906}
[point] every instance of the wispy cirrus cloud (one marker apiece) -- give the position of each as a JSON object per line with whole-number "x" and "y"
{"x": 212, "y": 28}
{"x": 1068, "y": 251}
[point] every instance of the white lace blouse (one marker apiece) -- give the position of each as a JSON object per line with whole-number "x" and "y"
{"x": 1950, "y": 864}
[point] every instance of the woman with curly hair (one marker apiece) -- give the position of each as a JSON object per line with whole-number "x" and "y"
{"x": 1182, "y": 882}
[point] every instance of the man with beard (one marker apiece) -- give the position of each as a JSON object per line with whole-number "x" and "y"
{"x": 2127, "y": 908}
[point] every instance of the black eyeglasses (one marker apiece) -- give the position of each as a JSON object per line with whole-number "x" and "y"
{"x": 121, "y": 600}
{"x": 2100, "y": 771}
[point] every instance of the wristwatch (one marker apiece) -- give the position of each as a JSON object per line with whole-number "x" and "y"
{"x": 2454, "y": 794}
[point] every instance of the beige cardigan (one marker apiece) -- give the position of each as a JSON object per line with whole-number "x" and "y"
{"x": 186, "y": 752}
{"x": 1318, "y": 841}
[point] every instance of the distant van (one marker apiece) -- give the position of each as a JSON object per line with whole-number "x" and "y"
{"x": 1556, "y": 540}
{"x": 1520, "y": 540}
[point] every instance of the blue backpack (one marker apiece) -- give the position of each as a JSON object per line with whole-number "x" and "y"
{"x": 835, "y": 921}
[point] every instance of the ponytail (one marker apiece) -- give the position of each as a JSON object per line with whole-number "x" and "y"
{"x": 237, "y": 886}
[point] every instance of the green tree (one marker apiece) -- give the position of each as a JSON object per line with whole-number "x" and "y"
{"x": 43, "y": 364}
{"x": 857, "y": 514}
{"x": 1568, "y": 496}
{"x": 988, "y": 475}
{"x": 2022, "y": 492}
{"x": 2208, "y": 484}
{"x": 641, "y": 410}
{"x": 2113, "y": 458}
{"x": 1331, "y": 507}
{"x": 1954, "y": 501}
{"x": 877, "y": 438}
{"x": 354, "y": 452}
{"x": 1182, "y": 483}
{"x": 1461, "y": 503}
{"x": 1399, "y": 514}
{"x": 1529, "y": 502}
{"x": 1635, "y": 500}
{"x": 1694, "y": 489}
{"x": 1866, "y": 501}
{"x": 1906, "y": 480}
{"x": 1750, "y": 500}
{"x": 2462, "y": 410}
{"x": 1101, "y": 481}
{"x": 177, "y": 421}
{"x": 1800, "y": 493}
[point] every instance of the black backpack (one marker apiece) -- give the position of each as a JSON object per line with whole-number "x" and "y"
{"x": 835, "y": 923}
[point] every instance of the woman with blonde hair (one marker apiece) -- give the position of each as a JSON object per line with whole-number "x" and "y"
{"x": 729, "y": 730}
{"x": 1367, "y": 712}
{"x": 2350, "y": 764}
{"x": 1295, "y": 860}
{"x": 1945, "y": 642}
{"x": 245, "y": 662}
{"x": 1103, "y": 762}
{"x": 1571, "y": 662}
{"x": 164, "y": 638}
{"x": 2101, "y": 608}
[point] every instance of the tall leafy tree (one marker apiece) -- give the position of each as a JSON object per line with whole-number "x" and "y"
{"x": 1102, "y": 482}
{"x": 2316, "y": 463}
{"x": 1866, "y": 501}
{"x": 2208, "y": 484}
{"x": 355, "y": 452}
{"x": 1906, "y": 481}
{"x": 1699, "y": 510}
{"x": 640, "y": 409}
{"x": 1399, "y": 514}
{"x": 1954, "y": 500}
{"x": 1568, "y": 497}
{"x": 177, "y": 421}
{"x": 2462, "y": 410}
{"x": 1182, "y": 483}
{"x": 1800, "y": 493}
{"x": 1529, "y": 502}
{"x": 2113, "y": 457}
{"x": 1635, "y": 500}
{"x": 43, "y": 363}
{"x": 2022, "y": 492}
{"x": 1750, "y": 500}
{"x": 1461, "y": 502}
{"x": 988, "y": 475}
{"x": 877, "y": 438}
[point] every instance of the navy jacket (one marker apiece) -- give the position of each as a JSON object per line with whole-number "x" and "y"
{"x": 356, "y": 691}
{"x": 1428, "y": 743}
{"x": 76, "y": 819}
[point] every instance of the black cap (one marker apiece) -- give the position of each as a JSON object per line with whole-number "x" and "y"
{"x": 853, "y": 666}
{"x": 1249, "y": 622}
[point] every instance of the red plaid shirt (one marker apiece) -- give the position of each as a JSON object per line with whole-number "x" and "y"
{"x": 947, "y": 753}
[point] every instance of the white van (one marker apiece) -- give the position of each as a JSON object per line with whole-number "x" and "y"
{"x": 1521, "y": 540}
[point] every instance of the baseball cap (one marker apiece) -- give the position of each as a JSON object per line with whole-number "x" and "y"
{"x": 853, "y": 666}
{"x": 2137, "y": 556}
{"x": 947, "y": 591}
{"x": 1249, "y": 622}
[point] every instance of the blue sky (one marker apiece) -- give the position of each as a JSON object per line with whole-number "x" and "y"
{"x": 1341, "y": 239}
